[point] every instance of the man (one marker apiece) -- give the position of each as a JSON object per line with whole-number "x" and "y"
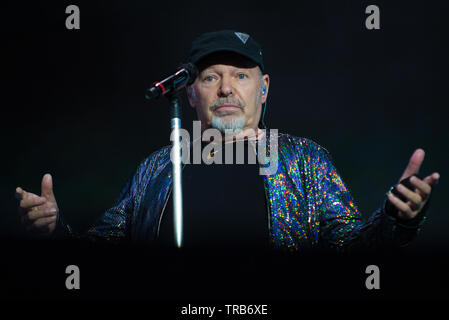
{"x": 307, "y": 204}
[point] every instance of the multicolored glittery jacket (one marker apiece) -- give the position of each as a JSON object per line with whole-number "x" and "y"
{"x": 308, "y": 204}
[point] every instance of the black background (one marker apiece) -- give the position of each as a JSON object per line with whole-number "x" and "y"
{"x": 73, "y": 104}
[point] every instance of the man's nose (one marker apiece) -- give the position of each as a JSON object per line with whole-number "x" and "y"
{"x": 225, "y": 88}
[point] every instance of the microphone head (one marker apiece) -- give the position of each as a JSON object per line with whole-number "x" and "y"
{"x": 152, "y": 93}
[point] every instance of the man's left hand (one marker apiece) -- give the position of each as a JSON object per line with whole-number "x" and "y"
{"x": 417, "y": 198}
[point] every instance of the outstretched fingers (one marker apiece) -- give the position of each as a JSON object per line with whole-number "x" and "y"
{"x": 30, "y": 205}
{"x": 415, "y": 199}
{"x": 414, "y": 163}
{"x": 404, "y": 210}
{"x": 424, "y": 187}
{"x": 29, "y": 200}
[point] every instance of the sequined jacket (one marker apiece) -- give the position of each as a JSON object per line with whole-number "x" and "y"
{"x": 307, "y": 202}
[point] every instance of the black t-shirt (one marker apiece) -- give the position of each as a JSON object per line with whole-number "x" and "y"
{"x": 224, "y": 205}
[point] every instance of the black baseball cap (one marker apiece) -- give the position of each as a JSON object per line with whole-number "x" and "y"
{"x": 226, "y": 40}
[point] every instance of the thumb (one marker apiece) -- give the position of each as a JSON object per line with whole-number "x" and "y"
{"x": 414, "y": 164}
{"x": 47, "y": 187}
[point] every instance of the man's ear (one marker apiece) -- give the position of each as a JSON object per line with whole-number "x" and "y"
{"x": 266, "y": 81}
{"x": 191, "y": 95}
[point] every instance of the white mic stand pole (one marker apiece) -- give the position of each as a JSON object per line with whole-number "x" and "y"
{"x": 175, "y": 124}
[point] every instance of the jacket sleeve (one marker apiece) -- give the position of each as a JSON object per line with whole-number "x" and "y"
{"x": 341, "y": 225}
{"x": 113, "y": 224}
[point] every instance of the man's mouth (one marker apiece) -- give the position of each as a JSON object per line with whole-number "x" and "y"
{"x": 227, "y": 107}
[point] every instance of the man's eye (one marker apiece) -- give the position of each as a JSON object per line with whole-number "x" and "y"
{"x": 209, "y": 78}
{"x": 242, "y": 76}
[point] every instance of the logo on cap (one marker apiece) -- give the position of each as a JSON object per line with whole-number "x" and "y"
{"x": 242, "y": 36}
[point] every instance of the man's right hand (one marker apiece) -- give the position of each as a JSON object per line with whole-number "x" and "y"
{"x": 39, "y": 213}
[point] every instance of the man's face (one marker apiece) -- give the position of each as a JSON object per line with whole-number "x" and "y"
{"x": 227, "y": 93}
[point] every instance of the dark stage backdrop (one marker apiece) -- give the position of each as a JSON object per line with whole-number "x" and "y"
{"x": 73, "y": 100}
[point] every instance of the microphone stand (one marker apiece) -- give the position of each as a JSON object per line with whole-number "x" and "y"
{"x": 169, "y": 88}
{"x": 175, "y": 125}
